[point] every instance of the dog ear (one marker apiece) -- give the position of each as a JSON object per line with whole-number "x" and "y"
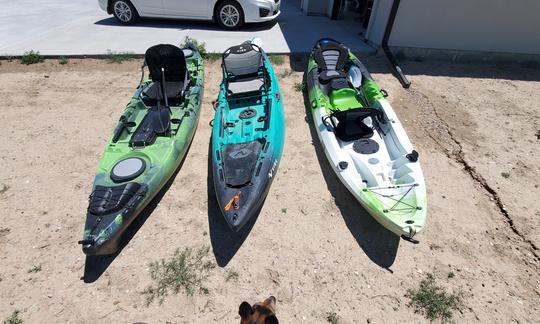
{"x": 271, "y": 301}
{"x": 245, "y": 310}
{"x": 271, "y": 320}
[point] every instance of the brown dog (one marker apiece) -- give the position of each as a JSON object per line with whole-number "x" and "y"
{"x": 260, "y": 313}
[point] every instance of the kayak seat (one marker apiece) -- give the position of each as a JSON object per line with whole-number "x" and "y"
{"x": 331, "y": 58}
{"x": 351, "y": 124}
{"x": 239, "y": 162}
{"x": 244, "y": 69}
{"x": 107, "y": 200}
{"x": 153, "y": 93}
{"x": 156, "y": 122}
{"x": 254, "y": 84}
{"x": 169, "y": 61}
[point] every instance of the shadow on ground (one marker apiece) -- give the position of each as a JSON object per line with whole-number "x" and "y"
{"x": 225, "y": 243}
{"x": 181, "y": 24}
{"x": 525, "y": 71}
{"x": 378, "y": 243}
{"x": 95, "y": 266}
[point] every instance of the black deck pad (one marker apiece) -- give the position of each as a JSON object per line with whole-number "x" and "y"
{"x": 239, "y": 161}
{"x": 156, "y": 122}
{"x": 108, "y": 200}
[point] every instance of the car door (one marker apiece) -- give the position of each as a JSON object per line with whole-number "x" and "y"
{"x": 187, "y": 8}
{"x": 148, "y": 7}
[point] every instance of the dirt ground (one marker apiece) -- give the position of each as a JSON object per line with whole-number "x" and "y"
{"x": 312, "y": 246}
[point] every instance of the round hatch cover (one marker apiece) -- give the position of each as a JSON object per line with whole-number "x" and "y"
{"x": 128, "y": 169}
{"x": 248, "y": 113}
{"x": 366, "y": 146}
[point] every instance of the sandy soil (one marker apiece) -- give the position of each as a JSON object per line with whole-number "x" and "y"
{"x": 312, "y": 246}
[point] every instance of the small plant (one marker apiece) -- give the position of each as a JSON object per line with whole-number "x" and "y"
{"x": 285, "y": 73}
{"x": 538, "y": 134}
{"x": 433, "y": 301}
{"x": 212, "y": 57}
{"x": 119, "y": 57}
{"x": 299, "y": 86}
{"x": 332, "y": 318}
{"x": 451, "y": 275}
{"x": 31, "y": 57}
{"x": 63, "y": 60}
{"x": 231, "y": 275}
{"x": 199, "y": 46}
{"x": 284, "y": 210}
{"x": 276, "y": 59}
{"x": 35, "y": 269}
{"x": 14, "y": 318}
{"x": 505, "y": 175}
{"x": 185, "y": 272}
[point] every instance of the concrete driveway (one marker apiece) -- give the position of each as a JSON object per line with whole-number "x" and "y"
{"x": 79, "y": 27}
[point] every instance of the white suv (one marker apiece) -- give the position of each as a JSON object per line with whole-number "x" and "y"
{"x": 230, "y": 14}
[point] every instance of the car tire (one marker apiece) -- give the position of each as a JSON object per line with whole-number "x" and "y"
{"x": 229, "y": 15}
{"x": 124, "y": 11}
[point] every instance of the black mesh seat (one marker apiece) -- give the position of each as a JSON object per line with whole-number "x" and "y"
{"x": 173, "y": 61}
{"x": 244, "y": 68}
{"x": 331, "y": 58}
{"x": 351, "y": 124}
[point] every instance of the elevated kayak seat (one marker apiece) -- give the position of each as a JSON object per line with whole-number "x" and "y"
{"x": 244, "y": 71}
{"x": 172, "y": 60}
{"x": 351, "y": 124}
{"x": 331, "y": 59}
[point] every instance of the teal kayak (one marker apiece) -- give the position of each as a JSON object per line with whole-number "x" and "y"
{"x": 147, "y": 147}
{"x": 248, "y": 133}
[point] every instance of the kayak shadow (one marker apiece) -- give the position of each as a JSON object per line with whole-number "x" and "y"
{"x": 225, "y": 242}
{"x": 378, "y": 243}
{"x": 96, "y": 265}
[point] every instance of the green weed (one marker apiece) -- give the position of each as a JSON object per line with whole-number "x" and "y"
{"x": 332, "y": 318}
{"x": 31, "y": 57}
{"x": 35, "y": 269}
{"x": 14, "y": 318}
{"x": 276, "y": 59}
{"x": 286, "y": 73}
{"x": 231, "y": 275}
{"x": 505, "y": 175}
{"x": 185, "y": 272}
{"x": 433, "y": 301}
{"x": 299, "y": 86}
{"x": 62, "y": 60}
{"x": 201, "y": 48}
{"x": 119, "y": 57}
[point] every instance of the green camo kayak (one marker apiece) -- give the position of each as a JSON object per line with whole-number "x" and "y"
{"x": 146, "y": 148}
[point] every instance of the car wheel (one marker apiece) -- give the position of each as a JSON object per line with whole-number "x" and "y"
{"x": 124, "y": 11}
{"x": 230, "y": 15}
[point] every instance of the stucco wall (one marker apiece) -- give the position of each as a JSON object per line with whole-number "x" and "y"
{"x": 478, "y": 25}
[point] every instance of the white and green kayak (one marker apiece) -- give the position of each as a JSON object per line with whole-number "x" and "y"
{"x": 364, "y": 141}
